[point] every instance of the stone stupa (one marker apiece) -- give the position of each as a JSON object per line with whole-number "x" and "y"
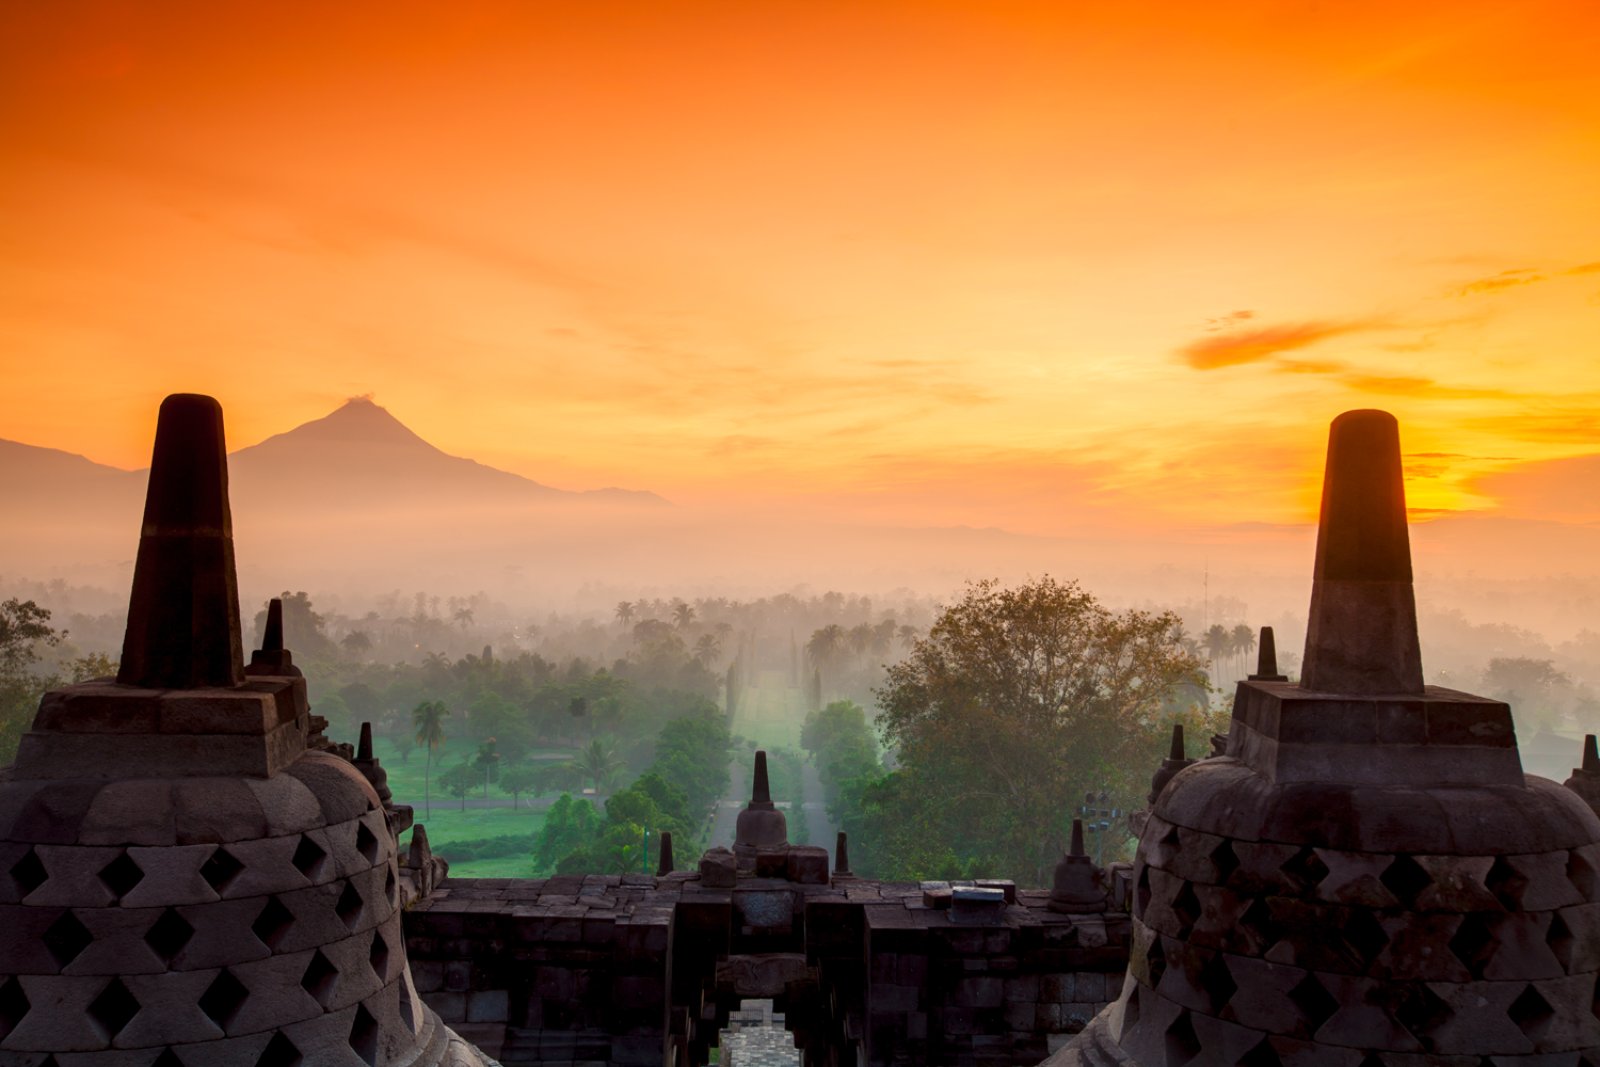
{"x": 1366, "y": 877}
{"x": 183, "y": 883}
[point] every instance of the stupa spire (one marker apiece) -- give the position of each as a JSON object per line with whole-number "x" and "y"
{"x": 1362, "y": 634}
{"x": 183, "y": 614}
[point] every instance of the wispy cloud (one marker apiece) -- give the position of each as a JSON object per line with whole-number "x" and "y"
{"x": 1228, "y": 321}
{"x": 1513, "y": 279}
{"x": 1264, "y": 343}
{"x": 1409, "y": 385}
{"x": 1506, "y": 279}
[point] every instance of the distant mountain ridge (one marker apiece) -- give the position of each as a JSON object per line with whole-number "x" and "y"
{"x": 358, "y": 456}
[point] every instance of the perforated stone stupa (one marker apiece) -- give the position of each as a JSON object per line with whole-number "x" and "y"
{"x": 183, "y": 883}
{"x": 1366, "y": 877}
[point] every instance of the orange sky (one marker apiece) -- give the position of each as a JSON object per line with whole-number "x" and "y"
{"x": 1040, "y": 266}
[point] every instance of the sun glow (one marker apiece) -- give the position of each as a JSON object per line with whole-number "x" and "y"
{"x": 1045, "y": 267}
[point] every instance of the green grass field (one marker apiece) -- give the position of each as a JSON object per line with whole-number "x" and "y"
{"x": 449, "y": 823}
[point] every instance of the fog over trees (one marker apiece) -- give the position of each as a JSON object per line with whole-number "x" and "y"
{"x": 949, "y": 735}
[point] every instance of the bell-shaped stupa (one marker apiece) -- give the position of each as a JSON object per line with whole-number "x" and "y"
{"x": 1366, "y": 877}
{"x": 183, "y": 882}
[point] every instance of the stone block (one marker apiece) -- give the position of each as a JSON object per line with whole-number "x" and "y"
{"x": 59, "y": 1021}
{"x": 979, "y": 992}
{"x": 325, "y": 1039}
{"x": 1355, "y": 878}
{"x": 1455, "y": 883}
{"x": 770, "y": 863}
{"x": 54, "y": 812}
{"x": 229, "y": 1052}
{"x": 718, "y": 868}
{"x": 316, "y": 917}
{"x": 1058, "y": 988}
{"x": 488, "y": 1006}
{"x": 174, "y": 1016}
{"x": 1089, "y": 986}
{"x": 217, "y": 711}
{"x": 341, "y": 790}
{"x": 1008, "y": 888}
{"x": 807, "y": 865}
{"x": 264, "y": 866}
{"x": 73, "y": 876}
{"x": 1520, "y": 949}
{"x": 221, "y": 935}
{"x": 428, "y": 976}
{"x": 1261, "y": 867}
{"x": 276, "y": 995}
{"x": 216, "y": 811}
{"x": 451, "y": 1007}
{"x": 1262, "y": 999}
{"x": 171, "y": 876}
{"x": 22, "y": 946}
{"x": 1478, "y": 1022}
{"x": 1538, "y": 882}
{"x": 1360, "y": 1020}
{"x": 1022, "y": 989}
{"x": 770, "y": 911}
{"x": 118, "y": 945}
{"x": 1419, "y": 948}
{"x": 1092, "y": 931}
{"x": 100, "y": 707}
{"x": 157, "y": 756}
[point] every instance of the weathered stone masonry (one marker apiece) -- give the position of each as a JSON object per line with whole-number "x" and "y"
{"x": 604, "y": 968}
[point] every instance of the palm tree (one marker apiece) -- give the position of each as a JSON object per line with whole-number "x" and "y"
{"x": 860, "y": 638}
{"x": 707, "y": 649}
{"x": 825, "y": 644}
{"x": 1218, "y": 642}
{"x": 624, "y": 612}
{"x": 682, "y": 615}
{"x": 1244, "y": 641}
{"x": 598, "y": 762}
{"x": 908, "y": 635}
{"x": 428, "y": 720}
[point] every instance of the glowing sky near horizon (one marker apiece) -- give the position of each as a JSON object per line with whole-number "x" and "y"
{"x": 1049, "y": 267}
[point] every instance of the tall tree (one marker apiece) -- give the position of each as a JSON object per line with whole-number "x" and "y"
{"x": 1019, "y": 700}
{"x": 460, "y": 780}
{"x": 1218, "y": 643}
{"x": 598, "y": 762}
{"x": 517, "y": 780}
{"x": 427, "y": 721}
{"x": 24, "y": 629}
{"x": 1244, "y": 643}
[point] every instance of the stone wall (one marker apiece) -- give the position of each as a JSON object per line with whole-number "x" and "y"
{"x": 646, "y": 970}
